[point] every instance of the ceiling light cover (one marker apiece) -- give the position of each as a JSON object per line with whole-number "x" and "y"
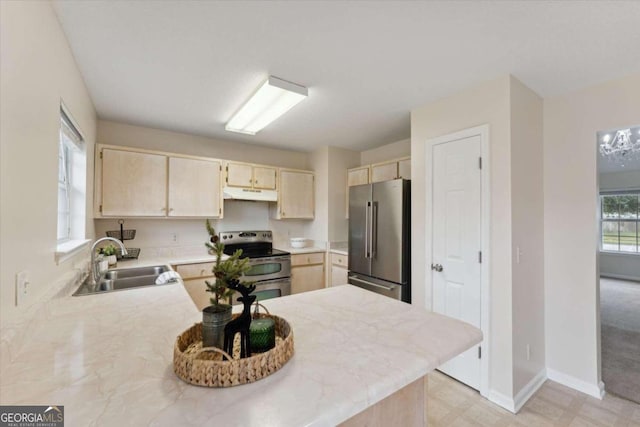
{"x": 272, "y": 99}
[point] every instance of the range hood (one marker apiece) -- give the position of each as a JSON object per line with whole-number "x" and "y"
{"x": 234, "y": 193}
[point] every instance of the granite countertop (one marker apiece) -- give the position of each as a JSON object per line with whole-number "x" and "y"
{"x": 108, "y": 359}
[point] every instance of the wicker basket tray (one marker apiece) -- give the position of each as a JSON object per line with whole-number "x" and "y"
{"x": 206, "y": 366}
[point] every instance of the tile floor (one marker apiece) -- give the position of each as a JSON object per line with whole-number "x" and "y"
{"x": 451, "y": 403}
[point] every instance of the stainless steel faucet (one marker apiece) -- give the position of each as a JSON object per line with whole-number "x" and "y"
{"x": 95, "y": 270}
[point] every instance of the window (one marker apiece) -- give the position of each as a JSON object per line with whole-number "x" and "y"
{"x": 620, "y": 222}
{"x": 72, "y": 174}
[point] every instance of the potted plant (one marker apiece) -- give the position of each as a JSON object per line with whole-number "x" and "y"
{"x": 109, "y": 253}
{"x": 226, "y": 272}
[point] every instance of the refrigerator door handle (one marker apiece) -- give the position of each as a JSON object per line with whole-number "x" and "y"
{"x": 366, "y": 230}
{"x": 355, "y": 279}
{"x": 374, "y": 229}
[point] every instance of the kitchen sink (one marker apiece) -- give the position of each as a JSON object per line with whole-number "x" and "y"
{"x": 122, "y": 279}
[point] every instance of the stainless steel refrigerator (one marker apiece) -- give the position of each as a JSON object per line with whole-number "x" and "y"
{"x": 379, "y": 238}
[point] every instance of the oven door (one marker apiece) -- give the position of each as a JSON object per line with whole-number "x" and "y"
{"x": 268, "y": 268}
{"x": 268, "y": 289}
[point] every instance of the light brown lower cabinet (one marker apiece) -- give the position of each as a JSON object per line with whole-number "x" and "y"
{"x": 307, "y": 272}
{"x": 194, "y": 277}
{"x": 339, "y": 269}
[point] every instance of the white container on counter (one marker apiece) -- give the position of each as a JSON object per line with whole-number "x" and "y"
{"x": 299, "y": 242}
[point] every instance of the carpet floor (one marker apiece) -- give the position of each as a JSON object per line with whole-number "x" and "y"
{"x": 620, "y": 329}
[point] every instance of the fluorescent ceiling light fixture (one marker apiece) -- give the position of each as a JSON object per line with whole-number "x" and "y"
{"x": 272, "y": 99}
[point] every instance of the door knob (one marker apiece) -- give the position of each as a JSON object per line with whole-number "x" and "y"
{"x": 436, "y": 267}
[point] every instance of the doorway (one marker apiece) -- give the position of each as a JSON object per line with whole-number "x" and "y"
{"x": 619, "y": 260}
{"x": 458, "y": 219}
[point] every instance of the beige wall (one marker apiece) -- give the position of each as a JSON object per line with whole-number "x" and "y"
{"x": 571, "y": 122}
{"x": 527, "y": 211}
{"x": 386, "y": 152}
{"x": 339, "y": 161}
{"x": 37, "y": 71}
{"x": 116, "y": 133}
{"x": 487, "y": 103}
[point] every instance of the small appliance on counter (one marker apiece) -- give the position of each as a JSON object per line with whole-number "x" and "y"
{"x": 379, "y": 238}
{"x": 270, "y": 268}
{"x": 299, "y": 242}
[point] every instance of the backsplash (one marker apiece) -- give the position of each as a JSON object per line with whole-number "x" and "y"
{"x": 187, "y": 236}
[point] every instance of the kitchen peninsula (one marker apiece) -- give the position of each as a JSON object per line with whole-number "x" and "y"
{"x": 108, "y": 359}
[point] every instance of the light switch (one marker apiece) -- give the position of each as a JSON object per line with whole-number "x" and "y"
{"x": 22, "y": 287}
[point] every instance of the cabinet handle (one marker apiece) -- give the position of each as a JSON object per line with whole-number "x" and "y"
{"x": 170, "y": 209}
{"x": 256, "y": 181}
{"x": 282, "y": 213}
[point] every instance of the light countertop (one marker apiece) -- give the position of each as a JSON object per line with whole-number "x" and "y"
{"x": 344, "y": 252}
{"x": 309, "y": 250}
{"x": 108, "y": 359}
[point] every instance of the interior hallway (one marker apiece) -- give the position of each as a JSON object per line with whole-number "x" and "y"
{"x": 620, "y": 332}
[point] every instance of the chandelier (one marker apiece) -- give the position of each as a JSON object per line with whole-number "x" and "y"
{"x": 622, "y": 147}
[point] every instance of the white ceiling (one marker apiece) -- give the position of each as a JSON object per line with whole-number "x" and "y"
{"x": 187, "y": 66}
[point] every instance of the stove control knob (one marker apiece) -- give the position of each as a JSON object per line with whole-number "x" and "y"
{"x": 231, "y": 236}
{"x": 224, "y": 237}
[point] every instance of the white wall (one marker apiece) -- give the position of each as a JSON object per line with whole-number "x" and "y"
{"x": 339, "y": 161}
{"x": 386, "y": 152}
{"x": 116, "y": 133}
{"x": 571, "y": 122}
{"x": 37, "y": 71}
{"x": 624, "y": 266}
{"x": 527, "y": 210}
{"x": 155, "y": 237}
{"x": 487, "y": 103}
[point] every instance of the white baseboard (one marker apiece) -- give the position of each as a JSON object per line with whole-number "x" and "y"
{"x": 529, "y": 390}
{"x": 594, "y": 390}
{"x": 502, "y": 400}
{"x": 515, "y": 404}
{"x": 620, "y": 276}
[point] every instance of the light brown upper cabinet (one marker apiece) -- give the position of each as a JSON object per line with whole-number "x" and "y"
{"x": 358, "y": 176}
{"x": 133, "y": 184}
{"x": 247, "y": 175}
{"x": 394, "y": 169}
{"x": 296, "y": 195}
{"x": 142, "y": 183}
{"x": 194, "y": 187}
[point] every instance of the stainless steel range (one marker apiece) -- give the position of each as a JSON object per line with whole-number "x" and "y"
{"x": 270, "y": 268}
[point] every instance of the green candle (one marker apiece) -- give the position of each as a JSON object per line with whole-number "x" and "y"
{"x": 263, "y": 334}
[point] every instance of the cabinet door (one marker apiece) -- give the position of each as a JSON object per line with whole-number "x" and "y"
{"x": 358, "y": 176}
{"x": 239, "y": 175}
{"x": 194, "y": 187}
{"x": 338, "y": 275}
{"x": 384, "y": 172}
{"x": 296, "y": 195}
{"x": 133, "y": 184}
{"x": 404, "y": 169}
{"x": 197, "y": 290}
{"x": 264, "y": 178}
{"x": 307, "y": 278}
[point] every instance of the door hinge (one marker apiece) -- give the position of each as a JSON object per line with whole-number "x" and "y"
{"x": 480, "y": 162}
{"x": 479, "y": 352}
{"x": 480, "y": 257}
{"x": 220, "y": 168}
{"x": 100, "y": 153}
{"x": 219, "y": 211}
{"x": 100, "y": 208}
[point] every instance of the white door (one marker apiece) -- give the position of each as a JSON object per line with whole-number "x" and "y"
{"x": 456, "y": 273}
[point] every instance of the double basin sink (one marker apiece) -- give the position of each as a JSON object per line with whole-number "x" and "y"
{"x": 122, "y": 279}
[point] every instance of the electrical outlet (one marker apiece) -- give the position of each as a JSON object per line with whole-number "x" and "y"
{"x": 528, "y": 352}
{"x": 518, "y": 254}
{"x": 22, "y": 287}
{"x": 174, "y": 237}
